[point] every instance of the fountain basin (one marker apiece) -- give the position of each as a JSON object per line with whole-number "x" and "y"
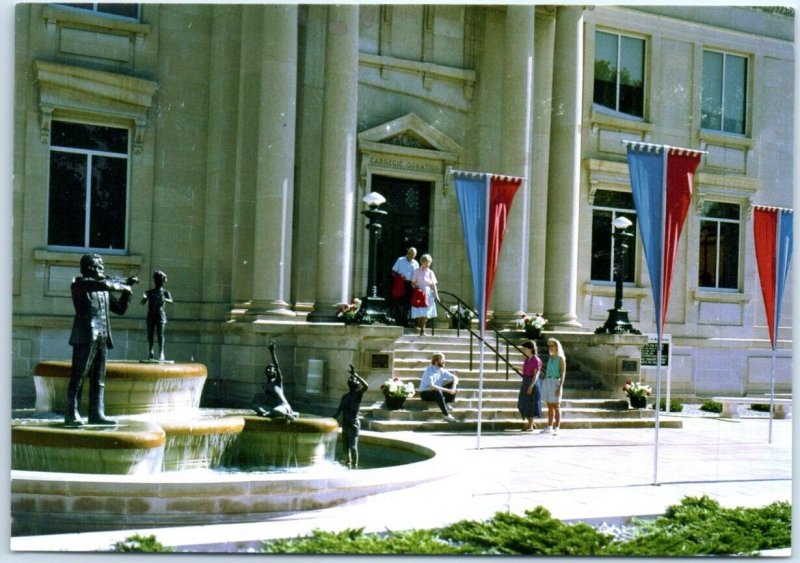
{"x": 131, "y": 387}
{"x": 48, "y": 503}
{"x": 49, "y": 446}
{"x": 208, "y": 439}
{"x": 276, "y": 443}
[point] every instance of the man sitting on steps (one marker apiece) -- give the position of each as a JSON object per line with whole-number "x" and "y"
{"x": 439, "y": 385}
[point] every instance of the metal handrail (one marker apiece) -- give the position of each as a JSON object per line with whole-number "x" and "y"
{"x": 499, "y": 336}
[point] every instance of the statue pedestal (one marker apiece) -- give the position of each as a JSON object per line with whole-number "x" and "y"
{"x": 132, "y": 387}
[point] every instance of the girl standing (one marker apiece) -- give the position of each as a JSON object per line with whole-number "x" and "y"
{"x": 553, "y": 385}
{"x": 528, "y": 403}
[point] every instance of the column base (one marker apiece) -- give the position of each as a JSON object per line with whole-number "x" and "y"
{"x": 261, "y": 311}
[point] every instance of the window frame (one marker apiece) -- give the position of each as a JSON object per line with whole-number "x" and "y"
{"x": 745, "y": 88}
{"x": 701, "y": 217}
{"x": 90, "y": 153}
{"x": 615, "y": 111}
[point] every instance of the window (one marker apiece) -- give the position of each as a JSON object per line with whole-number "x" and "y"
{"x": 608, "y": 205}
{"x": 719, "y": 246}
{"x": 724, "y": 94}
{"x": 619, "y": 73}
{"x": 88, "y": 195}
{"x": 124, "y": 10}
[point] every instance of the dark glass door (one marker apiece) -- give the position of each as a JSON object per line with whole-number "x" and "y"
{"x": 408, "y": 208}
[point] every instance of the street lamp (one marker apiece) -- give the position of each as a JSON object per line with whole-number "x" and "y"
{"x": 617, "y": 322}
{"x": 372, "y": 306}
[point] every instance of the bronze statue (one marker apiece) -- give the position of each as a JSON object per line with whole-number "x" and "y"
{"x": 91, "y": 336}
{"x": 275, "y": 405}
{"x": 156, "y": 314}
{"x": 349, "y": 406}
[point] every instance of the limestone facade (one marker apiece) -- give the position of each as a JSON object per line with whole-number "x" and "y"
{"x": 254, "y": 132}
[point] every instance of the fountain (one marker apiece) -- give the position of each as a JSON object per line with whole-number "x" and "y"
{"x": 168, "y": 462}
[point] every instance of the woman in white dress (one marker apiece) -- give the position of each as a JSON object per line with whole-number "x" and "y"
{"x": 423, "y": 277}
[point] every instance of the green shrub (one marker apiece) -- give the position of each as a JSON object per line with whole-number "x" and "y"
{"x": 674, "y": 405}
{"x": 696, "y": 526}
{"x": 711, "y": 406}
{"x": 141, "y": 544}
{"x": 700, "y": 526}
{"x": 759, "y": 408}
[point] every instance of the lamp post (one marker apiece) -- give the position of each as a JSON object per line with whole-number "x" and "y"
{"x": 617, "y": 322}
{"x": 372, "y": 306}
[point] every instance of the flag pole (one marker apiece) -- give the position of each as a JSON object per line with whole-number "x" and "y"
{"x": 774, "y": 339}
{"x": 482, "y": 317}
{"x": 660, "y": 315}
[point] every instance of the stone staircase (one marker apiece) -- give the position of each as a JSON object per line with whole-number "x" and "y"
{"x": 584, "y": 404}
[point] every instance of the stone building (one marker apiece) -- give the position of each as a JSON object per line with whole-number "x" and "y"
{"x": 231, "y": 146}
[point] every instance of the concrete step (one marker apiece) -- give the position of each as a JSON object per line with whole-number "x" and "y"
{"x": 498, "y": 399}
{"x": 470, "y": 413}
{"x": 511, "y": 424}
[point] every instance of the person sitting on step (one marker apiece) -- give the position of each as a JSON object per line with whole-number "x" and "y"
{"x": 439, "y": 385}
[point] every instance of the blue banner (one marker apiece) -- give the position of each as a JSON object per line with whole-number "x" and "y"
{"x": 472, "y": 194}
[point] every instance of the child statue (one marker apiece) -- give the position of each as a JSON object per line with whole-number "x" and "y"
{"x": 275, "y": 405}
{"x": 351, "y": 425}
{"x": 156, "y": 314}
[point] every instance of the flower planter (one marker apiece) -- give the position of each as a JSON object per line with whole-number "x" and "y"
{"x": 638, "y": 402}
{"x": 533, "y": 333}
{"x": 394, "y": 403}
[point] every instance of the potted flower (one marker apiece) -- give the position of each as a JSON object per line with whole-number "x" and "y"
{"x": 395, "y": 392}
{"x": 637, "y": 393}
{"x": 349, "y": 313}
{"x": 460, "y": 316}
{"x": 532, "y": 325}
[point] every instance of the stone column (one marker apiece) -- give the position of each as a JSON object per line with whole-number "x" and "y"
{"x": 511, "y": 283}
{"x": 338, "y": 163}
{"x": 221, "y": 169}
{"x": 272, "y": 229}
{"x": 561, "y": 266}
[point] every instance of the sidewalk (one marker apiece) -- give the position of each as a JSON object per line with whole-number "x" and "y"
{"x": 590, "y": 475}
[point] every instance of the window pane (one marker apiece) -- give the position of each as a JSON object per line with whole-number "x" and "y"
{"x": 631, "y": 94}
{"x": 107, "y": 229}
{"x": 735, "y": 93}
{"x": 89, "y": 137}
{"x": 66, "y": 215}
{"x": 720, "y": 210}
{"x": 605, "y": 70}
{"x": 707, "y": 274}
{"x": 610, "y": 198}
{"x": 126, "y": 10}
{"x": 729, "y": 256}
{"x": 601, "y": 245}
{"x": 711, "y": 97}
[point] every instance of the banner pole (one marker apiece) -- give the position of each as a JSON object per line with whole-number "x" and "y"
{"x": 482, "y": 313}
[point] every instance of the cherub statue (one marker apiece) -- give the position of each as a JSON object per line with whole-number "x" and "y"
{"x": 275, "y": 405}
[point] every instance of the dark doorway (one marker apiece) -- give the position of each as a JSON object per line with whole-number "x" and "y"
{"x": 408, "y": 208}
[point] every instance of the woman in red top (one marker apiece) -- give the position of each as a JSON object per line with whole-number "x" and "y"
{"x": 529, "y": 402}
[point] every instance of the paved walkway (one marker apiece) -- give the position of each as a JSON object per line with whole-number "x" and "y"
{"x": 591, "y": 475}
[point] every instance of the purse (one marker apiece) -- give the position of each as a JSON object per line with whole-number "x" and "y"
{"x": 398, "y": 285}
{"x": 419, "y": 298}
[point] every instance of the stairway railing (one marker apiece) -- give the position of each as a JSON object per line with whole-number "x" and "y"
{"x": 499, "y": 338}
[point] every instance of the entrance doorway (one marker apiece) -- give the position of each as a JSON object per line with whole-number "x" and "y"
{"x": 407, "y": 223}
